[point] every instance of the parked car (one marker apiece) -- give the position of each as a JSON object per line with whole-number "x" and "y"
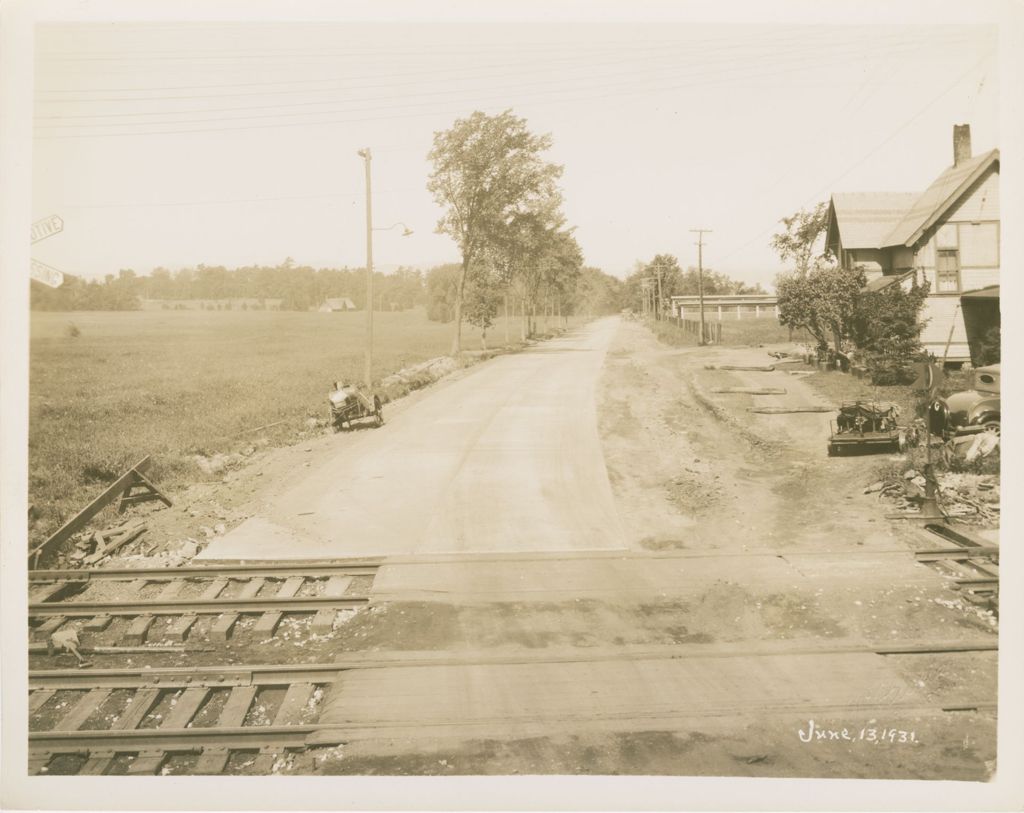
{"x": 970, "y": 411}
{"x": 349, "y": 403}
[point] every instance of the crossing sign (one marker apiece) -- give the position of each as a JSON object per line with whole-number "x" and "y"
{"x": 47, "y": 275}
{"x": 47, "y": 227}
{"x": 929, "y": 376}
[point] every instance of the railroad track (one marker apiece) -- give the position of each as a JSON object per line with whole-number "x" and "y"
{"x": 212, "y": 719}
{"x": 182, "y": 595}
{"x": 133, "y": 720}
{"x": 973, "y": 562}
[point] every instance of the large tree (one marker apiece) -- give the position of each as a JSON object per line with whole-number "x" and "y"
{"x": 798, "y": 241}
{"x": 487, "y": 171}
{"x": 823, "y": 302}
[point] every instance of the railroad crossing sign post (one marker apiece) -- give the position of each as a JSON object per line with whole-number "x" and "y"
{"x": 41, "y": 229}
{"x": 46, "y": 274}
{"x": 929, "y": 377}
{"x": 47, "y": 227}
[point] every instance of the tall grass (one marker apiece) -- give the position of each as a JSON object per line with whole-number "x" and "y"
{"x": 176, "y": 384}
{"x": 735, "y": 332}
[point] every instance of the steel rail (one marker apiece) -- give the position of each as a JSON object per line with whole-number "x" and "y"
{"x": 169, "y": 740}
{"x": 359, "y": 567}
{"x": 185, "y": 676}
{"x": 280, "y": 674}
{"x": 198, "y": 606}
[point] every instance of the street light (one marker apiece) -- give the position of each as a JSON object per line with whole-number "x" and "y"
{"x": 366, "y": 155}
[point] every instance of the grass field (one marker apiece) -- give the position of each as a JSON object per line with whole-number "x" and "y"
{"x": 735, "y": 332}
{"x": 176, "y": 384}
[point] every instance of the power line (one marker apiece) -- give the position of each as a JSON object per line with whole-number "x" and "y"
{"x": 605, "y": 91}
{"x": 871, "y": 152}
{"x": 544, "y": 68}
{"x": 794, "y": 65}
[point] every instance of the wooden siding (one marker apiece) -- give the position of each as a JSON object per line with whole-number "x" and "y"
{"x": 981, "y": 201}
{"x": 940, "y": 312}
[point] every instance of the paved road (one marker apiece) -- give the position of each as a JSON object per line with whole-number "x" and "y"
{"x": 507, "y": 458}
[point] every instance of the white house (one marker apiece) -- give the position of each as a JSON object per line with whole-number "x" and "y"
{"x": 947, "y": 235}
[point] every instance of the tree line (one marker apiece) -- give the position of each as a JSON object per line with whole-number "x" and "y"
{"x": 294, "y": 287}
{"x": 664, "y": 270}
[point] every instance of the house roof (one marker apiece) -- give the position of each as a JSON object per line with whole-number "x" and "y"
{"x": 988, "y": 292}
{"x": 865, "y": 219}
{"x": 938, "y": 198}
{"x": 338, "y": 302}
{"x": 878, "y": 283}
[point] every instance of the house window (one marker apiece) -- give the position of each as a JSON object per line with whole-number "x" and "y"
{"x": 947, "y": 270}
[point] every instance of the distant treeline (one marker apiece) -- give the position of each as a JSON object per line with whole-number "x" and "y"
{"x": 292, "y": 287}
{"x": 297, "y": 287}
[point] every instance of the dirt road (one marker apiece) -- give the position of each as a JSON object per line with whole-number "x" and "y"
{"x": 596, "y": 564}
{"x": 505, "y": 459}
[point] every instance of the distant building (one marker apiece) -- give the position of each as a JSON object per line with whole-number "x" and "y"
{"x": 726, "y": 306}
{"x": 947, "y": 235}
{"x": 334, "y": 304}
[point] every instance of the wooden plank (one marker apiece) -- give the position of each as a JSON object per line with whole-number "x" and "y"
{"x": 295, "y": 700}
{"x": 267, "y": 625}
{"x": 336, "y": 586}
{"x": 47, "y": 628}
{"x": 156, "y": 493}
{"x": 291, "y": 586}
{"x": 141, "y": 702}
{"x": 116, "y": 544}
{"x": 171, "y": 589}
{"x": 97, "y": 764}
{"x": 252, "y": 587}
{"x": 223, "y": 627}
{"x": 138, "y": 630}
{"x": 236, "y": 707}
{"x": 97, "y": 623}
{"x": 38, "y": 698}
{"x": 38, "y": 761}
{"x": 751, "y": 390}
{"x": 82, "y": 710}
{"x": 46, "y": 592}
{"x": 211, "y": 762}
{"x": 185, "y": 709}
{"x": 146, "y": 763}
{"x": 790, "y": 409}
{"x": 323, "y": 622}
{"x": 214, "y": 589}
{"x": 179, "y": 629}
{"x": 81, "y": 519}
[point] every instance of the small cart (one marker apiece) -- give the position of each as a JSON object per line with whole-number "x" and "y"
{"x": 866, "y": 427}
{"x": 349, "y": 403}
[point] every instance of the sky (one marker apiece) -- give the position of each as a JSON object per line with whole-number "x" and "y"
{"x": 175, "y": 144}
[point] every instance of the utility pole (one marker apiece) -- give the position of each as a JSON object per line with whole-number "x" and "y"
{"x": 700, "y": 275}
{"x": 368, "y": 372}
{"x": 660, "y": 301}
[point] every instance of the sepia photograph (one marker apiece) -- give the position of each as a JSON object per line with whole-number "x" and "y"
{"x": 472, "y": 393}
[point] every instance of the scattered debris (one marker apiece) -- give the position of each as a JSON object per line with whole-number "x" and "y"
{"x": 115, "y": 541}
{"x": 752, "y": 390}
{"x": 961, "y": 495}
{"x": 784, "y": 410}
{"x": 741, "y": 367}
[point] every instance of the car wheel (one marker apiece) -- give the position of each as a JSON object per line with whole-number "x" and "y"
{"x": 992, "y": 426}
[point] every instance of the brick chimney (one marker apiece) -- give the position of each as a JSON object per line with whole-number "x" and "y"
{"x": 961, "y": 143}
